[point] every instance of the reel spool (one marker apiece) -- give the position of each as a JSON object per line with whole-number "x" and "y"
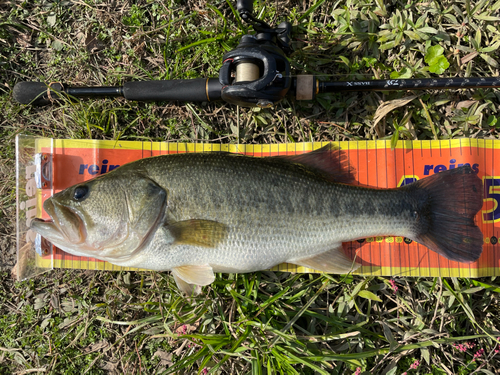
{"x": 256, "y": 73}
{"x": 246, "y": 71}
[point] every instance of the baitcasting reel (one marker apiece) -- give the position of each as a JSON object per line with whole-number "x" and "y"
{"x": 257, "y": 72}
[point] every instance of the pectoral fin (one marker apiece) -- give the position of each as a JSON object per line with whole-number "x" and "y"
{"x": 331, "y": 261}
{"x": 189, "y": 277}
{"x": 206, "y": 233}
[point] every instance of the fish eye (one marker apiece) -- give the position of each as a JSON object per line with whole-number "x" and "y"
{"x": 80, "y": 193}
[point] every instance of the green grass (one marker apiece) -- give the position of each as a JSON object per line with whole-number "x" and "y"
{"x": 265, "y": 322}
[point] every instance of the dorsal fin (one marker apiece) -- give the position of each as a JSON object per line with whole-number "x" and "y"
{"x": 328, "y": 160}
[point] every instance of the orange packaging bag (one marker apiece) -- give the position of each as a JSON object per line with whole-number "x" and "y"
{"x": 47, "y": 166}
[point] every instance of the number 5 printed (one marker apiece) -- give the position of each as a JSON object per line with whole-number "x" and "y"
{"x": 492, "y": 192}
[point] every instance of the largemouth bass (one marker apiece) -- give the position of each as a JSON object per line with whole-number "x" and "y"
{"x": 196, "y": 214}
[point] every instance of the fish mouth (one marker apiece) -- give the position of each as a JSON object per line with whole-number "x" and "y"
{"x": 66, "y": 224}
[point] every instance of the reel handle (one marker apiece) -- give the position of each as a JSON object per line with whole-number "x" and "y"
{"x": 244, "y": 7}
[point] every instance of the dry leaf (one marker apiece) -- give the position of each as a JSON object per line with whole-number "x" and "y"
{"x": 93, "y": 44}
{"x": 387, "y": 107}
{"x": 465, "y": 104}
{"x": 179, "y": 350}
{"x": 80, "y": 38}
{"x": 469, "y": 57}
{"x": 110, "y": 366}
{"x": 23, "y": 39}
{"x": 97, "y": 346}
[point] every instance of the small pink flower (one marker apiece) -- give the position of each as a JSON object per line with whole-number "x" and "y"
{"x": 415, "y": 365}
{"x": 184, "y": 329}
{"x": 478, "y": 354}
{"x": 394, "y": 286}
{"x": 404, "y": 373}
{"x": 358, "y": 371}
{"x": 205, "y": 371}
{"x": 464, "y": 347}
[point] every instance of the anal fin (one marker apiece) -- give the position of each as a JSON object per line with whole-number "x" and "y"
{"x": 188, "y": 278}
{"x": 331, "y": 261}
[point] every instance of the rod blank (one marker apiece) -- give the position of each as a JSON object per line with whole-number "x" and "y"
{"x": 410, "y": 84}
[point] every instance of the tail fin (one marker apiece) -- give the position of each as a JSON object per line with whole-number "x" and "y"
{"x": 454, "y": 198}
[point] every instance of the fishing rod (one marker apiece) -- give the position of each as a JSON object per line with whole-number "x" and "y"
{"x": 255, "y": 74}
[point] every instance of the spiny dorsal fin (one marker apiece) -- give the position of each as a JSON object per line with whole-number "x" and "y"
{"x": 331, "y": 261}
{"x": 194, "y": 232}
{"x": 329, "y": 161}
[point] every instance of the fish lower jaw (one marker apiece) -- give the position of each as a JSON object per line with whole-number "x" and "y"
{"x": 72, "y": 251}
{"x": 77, "y": 251}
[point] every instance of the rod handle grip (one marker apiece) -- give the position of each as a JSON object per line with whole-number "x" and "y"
{"x": 187, "y": 90}
{"x": 35, "y": 93}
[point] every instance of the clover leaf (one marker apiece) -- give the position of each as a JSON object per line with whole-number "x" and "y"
{"x": 435, "y": 59}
